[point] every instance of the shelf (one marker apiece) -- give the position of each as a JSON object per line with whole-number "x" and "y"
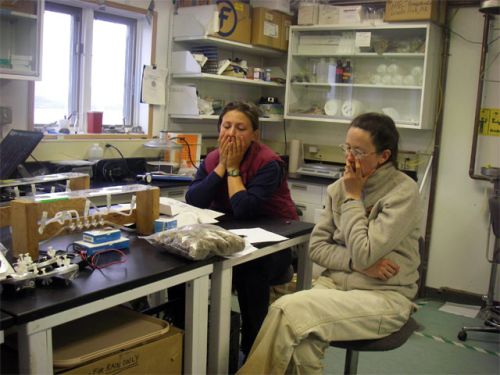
{"x": 398, "y": 55}
{"x": 339, "y": 120}
{"x": 362, "y": 85}
{"x": 229, "y": 44}
{"x": 215, "y": 77}
{"x": 216, "y": 117}
{"x": 352, "y": 27}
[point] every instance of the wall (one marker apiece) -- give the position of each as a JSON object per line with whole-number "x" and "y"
{"x": 458, "y": 240}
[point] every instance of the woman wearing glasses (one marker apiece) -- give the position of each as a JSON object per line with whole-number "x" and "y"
{"x": 367, "y": 239}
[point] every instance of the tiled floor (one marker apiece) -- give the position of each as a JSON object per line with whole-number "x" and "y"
{"x": 430, "y": 351}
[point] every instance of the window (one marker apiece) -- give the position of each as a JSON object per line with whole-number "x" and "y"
{"x": 89, "y": 64}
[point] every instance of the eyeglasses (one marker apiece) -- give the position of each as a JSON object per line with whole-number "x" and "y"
{"x": 356, "y": 152}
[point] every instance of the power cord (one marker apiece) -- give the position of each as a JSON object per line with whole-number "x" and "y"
{"x": 182, "y": 139}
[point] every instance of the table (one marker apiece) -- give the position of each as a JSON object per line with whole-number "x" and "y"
{"x": 6, "y": 321}
{"x": 147, "y": 270}
{"x": 220, "y": 300}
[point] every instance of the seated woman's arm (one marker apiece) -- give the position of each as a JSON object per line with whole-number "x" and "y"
{"x": 370, "y": 241}
{"x": 202, "y": 190}
{"x": 248, "y": 203}
{"x": 323, "y": 249}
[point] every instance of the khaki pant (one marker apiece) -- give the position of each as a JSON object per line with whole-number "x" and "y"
{"x": 299, "y": 326}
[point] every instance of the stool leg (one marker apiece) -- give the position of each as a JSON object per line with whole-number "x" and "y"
{"x": 351, "y": 362}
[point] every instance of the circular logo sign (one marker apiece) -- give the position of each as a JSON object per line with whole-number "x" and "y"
{"x": 228, "y": 18}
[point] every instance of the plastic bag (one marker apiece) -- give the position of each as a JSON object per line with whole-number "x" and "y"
{"x": 198, "y": 241}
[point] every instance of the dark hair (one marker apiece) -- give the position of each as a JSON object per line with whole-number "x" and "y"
{"x": 248, "y": 109}
{"x": 383, "y": 132}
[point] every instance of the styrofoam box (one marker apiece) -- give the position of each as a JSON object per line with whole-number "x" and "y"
{"x": 352, "y": 14}
{"x": 308, "y": 14}
{"x": 328, "y": 14}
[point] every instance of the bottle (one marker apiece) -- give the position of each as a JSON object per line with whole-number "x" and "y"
{"x": 347, "y": 73}
{"x": 339, "y": 70}
{"x": 96, "y": 152}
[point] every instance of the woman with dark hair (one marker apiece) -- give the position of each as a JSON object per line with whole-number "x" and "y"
{"x": 367, "y": 239}
{"x": 246, "y": 179}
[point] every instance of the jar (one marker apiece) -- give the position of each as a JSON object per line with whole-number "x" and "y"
{"x": 267, "y": 75}
{"x": 257, "y": 72}
{"x": 96, "y": 152}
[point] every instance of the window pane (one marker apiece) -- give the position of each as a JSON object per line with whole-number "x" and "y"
{"x": 52, "y": 95}
{"x": 109, "y": 57}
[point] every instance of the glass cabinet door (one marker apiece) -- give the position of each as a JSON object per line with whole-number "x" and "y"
{"x": 335, "y": 74}
{"x": 20, "y": 38}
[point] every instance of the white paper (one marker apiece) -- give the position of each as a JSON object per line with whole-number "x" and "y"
{"x": 462, "y": 310}
{"x": 153, "y": 85}
{"x": 363, "y": 39}
{"x": 256, "y": 235}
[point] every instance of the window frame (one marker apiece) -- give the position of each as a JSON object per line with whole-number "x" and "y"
{"x": 111, "y": 11}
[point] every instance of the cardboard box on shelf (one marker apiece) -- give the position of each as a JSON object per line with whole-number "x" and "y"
{"x": 415, "y": 10}
{"x": 286, "y": 22}
{"x": 267, "y": 28}
{"x": 235, "y": 22}
{"x": 115, "y": 341}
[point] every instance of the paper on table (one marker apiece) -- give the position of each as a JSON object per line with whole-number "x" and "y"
{"x": 256, "y": 235}
{"x": 463, "y": 310}
{"x": 153, "y": 85}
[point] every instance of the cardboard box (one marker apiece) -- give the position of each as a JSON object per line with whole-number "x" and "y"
{"x": 235, "y": 22}
{"x": 267, "y": 28}
{"x": 286, "y": 22}
{"x": 415, "y": 10}
{"x": 116, "y": 341}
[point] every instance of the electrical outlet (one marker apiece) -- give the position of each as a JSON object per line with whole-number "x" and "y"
{"x": 313, "y": 149}
{"x": 5, "y": 115}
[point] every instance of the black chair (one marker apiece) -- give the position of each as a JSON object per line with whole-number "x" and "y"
{"x": 490, "y": 312}
{"x": 393, "y": 341}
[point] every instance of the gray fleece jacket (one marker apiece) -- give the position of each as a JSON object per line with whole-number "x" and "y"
{"x": 355, "y": 234}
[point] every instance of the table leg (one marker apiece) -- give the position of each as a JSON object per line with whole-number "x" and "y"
{"x": 304, "y": 265}
{"x": 196, "y": 322}
{"x": 35, "y": 351}
{"x": 220, "y": 320}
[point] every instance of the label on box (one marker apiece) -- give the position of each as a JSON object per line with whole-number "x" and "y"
{"x": 162, "y": 224}
{"x": 92, "y": 248}
{"x": 271, "y": 29}
{"x": 101, "y": 235}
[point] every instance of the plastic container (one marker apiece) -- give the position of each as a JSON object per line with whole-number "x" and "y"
{"x": 96, "y": 152}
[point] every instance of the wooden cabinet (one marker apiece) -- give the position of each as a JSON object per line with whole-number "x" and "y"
{"x": 338, "y": 72}
{"x": 21, "y": 39}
